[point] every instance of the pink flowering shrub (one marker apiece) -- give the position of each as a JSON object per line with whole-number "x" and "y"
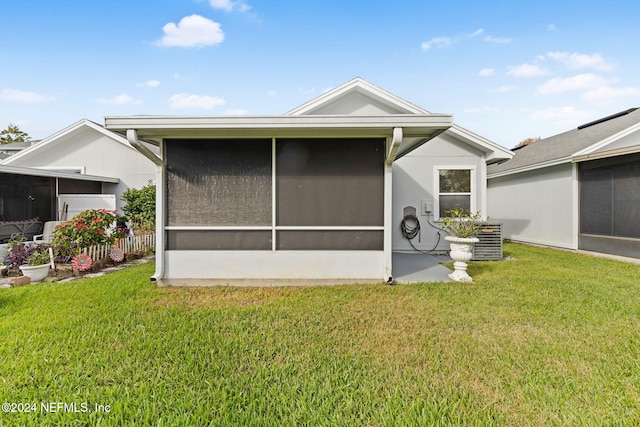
{"x": 88, "y": 228}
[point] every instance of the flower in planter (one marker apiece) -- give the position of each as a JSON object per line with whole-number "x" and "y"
{"x": 82, "y": 262}
{"x": 116, "y": 254}
{"x": 462, "y": 223}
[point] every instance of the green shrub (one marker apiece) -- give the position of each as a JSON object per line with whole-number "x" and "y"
{"x": 140, "y": 206}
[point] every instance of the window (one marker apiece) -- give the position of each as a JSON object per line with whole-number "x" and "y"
{"x": 454, "y": 189}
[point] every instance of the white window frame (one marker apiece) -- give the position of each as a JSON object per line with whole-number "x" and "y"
{"x": 436, "y": 187}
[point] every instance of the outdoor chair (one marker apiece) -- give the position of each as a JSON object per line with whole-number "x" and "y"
{"x": 47, "y": 232}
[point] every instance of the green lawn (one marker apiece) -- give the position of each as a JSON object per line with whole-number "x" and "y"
{"x": 546, "y": 338}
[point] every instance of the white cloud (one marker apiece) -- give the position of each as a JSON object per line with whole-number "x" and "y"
{"x": 229, "y": 5}
{"x": 563, "y": 116}
{"x": 606, "y": 94}
{"x": 186, "y": 100}
{"x": 578, "y": 82}
{"x": 22, "y": 96}
{"x": 192, "y": 31}
{"x": 149, "y": 83}
{"x": 526, "y": 70}
{"x": 576, "y": 61}
{"x": 486, "y": 72}
{"x": 477, "y": 32}
{"x": 500, "y": 40}
{"x": 122, "y": 99}
{"x": 551, "y": 27}
{"x": 436, "y": 42}
{"x": 503, "y": 89}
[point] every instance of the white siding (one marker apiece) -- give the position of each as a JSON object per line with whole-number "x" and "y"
{"x": 367, "y": 266}
{"x": 413, "y": 184}
{"x": 536, "y": 206}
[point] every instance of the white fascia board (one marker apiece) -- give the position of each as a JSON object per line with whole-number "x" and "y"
{"x": 493, "y": 151}
{"x": 528, "y": 168}
{"x": 274, "y": 122}
{"x": 609, "y": 140}
{"x": 56, "y": 174}
{"x": 174, "y": 126}
{"x": 604, "y": 154}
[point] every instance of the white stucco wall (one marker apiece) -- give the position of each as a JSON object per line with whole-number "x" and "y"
{"x": 96, "y": 154}
{"x": 414, "y": 183}
{"x": 537, "y": 207}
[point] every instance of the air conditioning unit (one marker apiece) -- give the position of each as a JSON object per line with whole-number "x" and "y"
{"x": 489, "y": 248}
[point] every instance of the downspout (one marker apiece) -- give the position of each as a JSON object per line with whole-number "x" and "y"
{"x": 132, "y": 137}
{"x": 392, "y": 152}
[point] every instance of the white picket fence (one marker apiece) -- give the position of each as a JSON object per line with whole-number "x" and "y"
{"x": 138, "y": 243}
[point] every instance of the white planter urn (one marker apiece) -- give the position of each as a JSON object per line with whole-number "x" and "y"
{"x": 37, "y": 273}
{"x": 461, "y": 252}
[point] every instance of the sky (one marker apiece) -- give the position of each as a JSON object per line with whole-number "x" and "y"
{"x": 506, "y": 70}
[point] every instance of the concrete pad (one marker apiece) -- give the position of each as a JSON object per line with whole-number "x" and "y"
{"x": 417, "y": 267}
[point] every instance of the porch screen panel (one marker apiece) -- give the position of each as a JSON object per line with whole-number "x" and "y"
{"x": 221, "y": 182}
{"x": 596, "y": 201}
{"x": 626, "y": 199}
{"x": 330, "y": 182}
{"x": 195, "y": 240}
{"x": 610, "y": 197}
{"x": 353, "y": 240}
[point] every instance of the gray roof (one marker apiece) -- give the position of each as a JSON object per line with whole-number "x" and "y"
{"x": 560, "y": 148}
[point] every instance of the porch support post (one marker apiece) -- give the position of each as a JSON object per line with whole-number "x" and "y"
{"x": 392, "y": 151}
{"x": 388, "y": 181}
{"x": 132, "y": 137}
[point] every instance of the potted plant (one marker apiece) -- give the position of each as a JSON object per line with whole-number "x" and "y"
{"x": 37, "y": 266}
{"x": 463, "y": 227}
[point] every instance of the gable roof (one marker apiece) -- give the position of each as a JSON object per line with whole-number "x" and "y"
{"x": 355, "y": 108}
{"x": 356, "y": 97}
{"x": 58, "y": 137}
{"x": 360, "y": 97}
{"x": 574, "y": 145}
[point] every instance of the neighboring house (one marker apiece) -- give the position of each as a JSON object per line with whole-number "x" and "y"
{"x": 7, "y": 150}
{"x": 576, "y": 190}
{"x": 87, "y": 148}
{"x": 27, "y": 193}
{"x": 317, "y": 193}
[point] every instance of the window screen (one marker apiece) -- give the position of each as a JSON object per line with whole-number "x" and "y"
{"x": 454, "y": 189}
{"x": 219, "y": 182}
{"x": 330, "y": 182}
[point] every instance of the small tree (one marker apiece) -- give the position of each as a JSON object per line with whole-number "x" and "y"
{"x": 527, "y": 142}
{"x": 140, "y": 206}
{"x": 13, "y": 134}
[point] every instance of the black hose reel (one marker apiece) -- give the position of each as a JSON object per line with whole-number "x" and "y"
{"x": 410, "y": 228}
